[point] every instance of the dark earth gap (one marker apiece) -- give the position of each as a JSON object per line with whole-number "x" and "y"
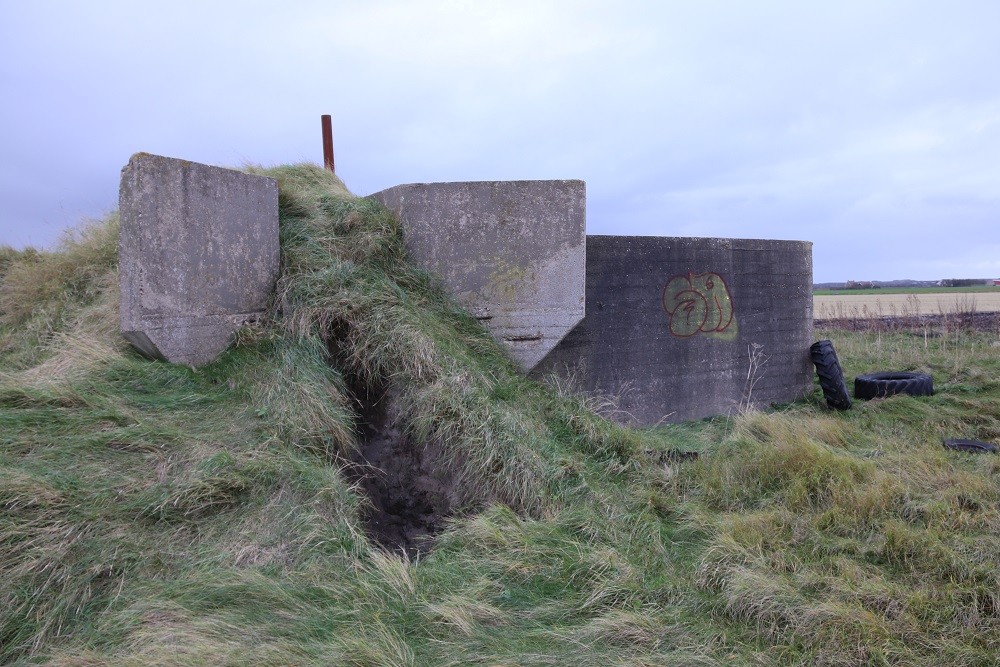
{"x": 409, "y": 490}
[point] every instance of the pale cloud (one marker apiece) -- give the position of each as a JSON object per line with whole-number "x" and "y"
{"x": 871, "y": 129}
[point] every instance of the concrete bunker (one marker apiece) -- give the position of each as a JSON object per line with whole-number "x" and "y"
{"x": 685, "y": 328}
{"x": 675, "y": 328}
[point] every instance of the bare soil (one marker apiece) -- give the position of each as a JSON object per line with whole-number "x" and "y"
{"x": 410, "y": 492}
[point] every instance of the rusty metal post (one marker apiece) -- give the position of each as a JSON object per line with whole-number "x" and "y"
{"x": 327, "y": 141}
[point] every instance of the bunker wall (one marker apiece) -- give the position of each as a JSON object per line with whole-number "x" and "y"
{"x": 511, "y": 252}
{"x": 684, "y": 328}
{"x": 198, "y": 255}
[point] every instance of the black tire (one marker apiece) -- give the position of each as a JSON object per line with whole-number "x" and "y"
{"x": 974, "y": 446}
{"x": 831, "y": 377}
{"x": 879, "y": 385}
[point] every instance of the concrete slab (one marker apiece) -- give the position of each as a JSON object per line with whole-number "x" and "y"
{"x": 198, "y": 255}
{"x": 684, "y": 328}
{"x": 512, "y": 252}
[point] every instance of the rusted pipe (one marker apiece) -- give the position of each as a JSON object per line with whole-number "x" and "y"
{"x": 327, "y": 141}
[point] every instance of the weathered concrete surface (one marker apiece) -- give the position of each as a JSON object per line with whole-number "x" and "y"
{"x": 672, "y": 322}
{"x": 198, "y": 255}
{"x": 512, "y": 252}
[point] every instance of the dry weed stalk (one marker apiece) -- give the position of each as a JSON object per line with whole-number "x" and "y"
{"x": 756, "y": 362}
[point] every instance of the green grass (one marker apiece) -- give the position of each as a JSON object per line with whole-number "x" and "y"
{"x": 908, "y": 290}
{"x": 152, "y": 514}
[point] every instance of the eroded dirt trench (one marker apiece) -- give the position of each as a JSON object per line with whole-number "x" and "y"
{"x": 410, "y": 491}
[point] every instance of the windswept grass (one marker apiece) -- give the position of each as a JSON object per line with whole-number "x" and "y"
{"x": 152, "y": 514}
{"x": 855, "y": 538}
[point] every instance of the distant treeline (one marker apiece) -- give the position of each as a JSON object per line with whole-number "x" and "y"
{"x": 964, "y": 282}
{"x": 878, "y": 284}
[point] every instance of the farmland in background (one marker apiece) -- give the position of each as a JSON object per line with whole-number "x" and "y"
{"x": 910, "y": 290}
{"x": 904, "y": 303}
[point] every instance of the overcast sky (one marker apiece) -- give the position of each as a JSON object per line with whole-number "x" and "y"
{"x": 871, "y": 128}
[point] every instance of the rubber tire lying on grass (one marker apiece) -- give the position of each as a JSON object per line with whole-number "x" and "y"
{"x": 974, "y": 446}
{"x": 879, "y": 385}
{"x": 831, "y": 377}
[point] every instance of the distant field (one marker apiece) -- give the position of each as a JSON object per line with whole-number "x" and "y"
{"x": 890, "y": 303}
{"x": 909, "y": 290}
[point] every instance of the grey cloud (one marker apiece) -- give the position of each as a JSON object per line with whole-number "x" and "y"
{"x": 869, "y": 128}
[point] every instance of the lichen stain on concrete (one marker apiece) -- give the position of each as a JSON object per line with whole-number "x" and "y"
{"x": 506, "y": 282}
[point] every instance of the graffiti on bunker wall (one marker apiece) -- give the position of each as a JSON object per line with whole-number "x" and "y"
{"x": 699, "y": 303}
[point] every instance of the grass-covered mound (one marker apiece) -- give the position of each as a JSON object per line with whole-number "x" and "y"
{"x": 155, "y": 514}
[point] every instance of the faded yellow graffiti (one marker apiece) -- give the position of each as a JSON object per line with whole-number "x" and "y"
{"x": 699, "y": 303}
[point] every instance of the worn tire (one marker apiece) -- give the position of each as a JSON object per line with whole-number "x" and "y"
{"x": 973, "y": 446}
{"x": 879, "y": 385}
{"x": 831, "y": 377}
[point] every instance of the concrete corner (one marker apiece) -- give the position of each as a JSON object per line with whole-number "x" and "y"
{"x": 198, "y": 255}
{"x": 512, "y": 252}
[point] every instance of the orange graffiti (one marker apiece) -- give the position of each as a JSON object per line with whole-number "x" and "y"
{"x": 699, "y": 303}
